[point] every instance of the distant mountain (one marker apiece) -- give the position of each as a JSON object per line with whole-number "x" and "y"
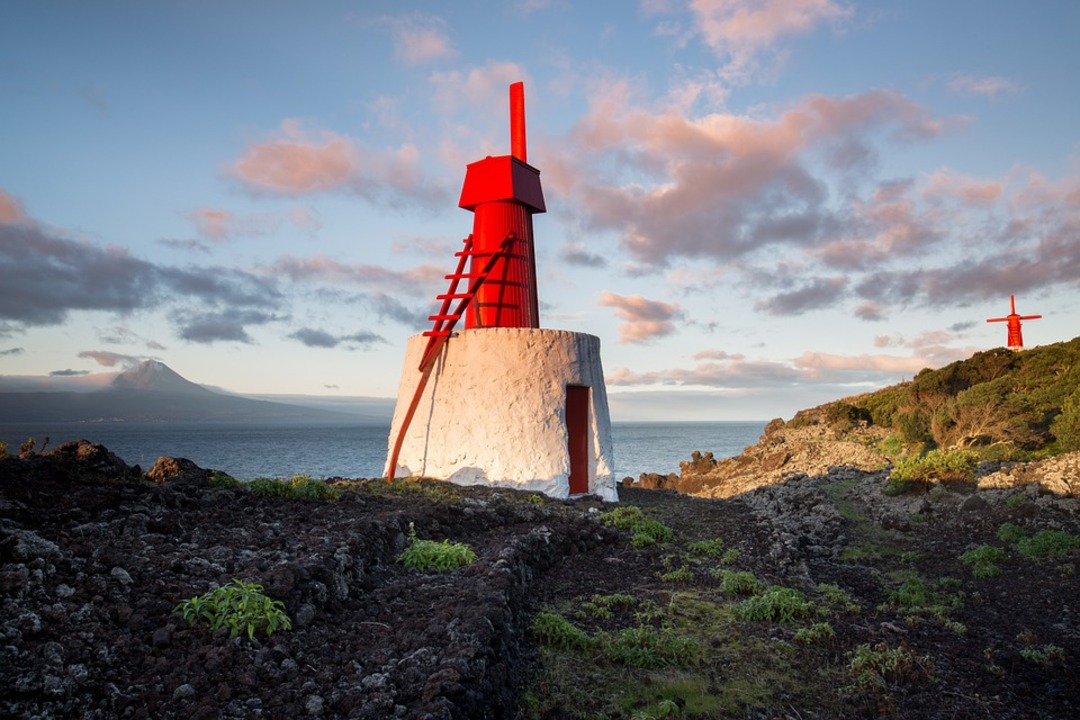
{"x": 153, "y": 392}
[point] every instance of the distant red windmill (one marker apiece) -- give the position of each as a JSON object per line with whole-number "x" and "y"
{"x": 1016, "y": 338}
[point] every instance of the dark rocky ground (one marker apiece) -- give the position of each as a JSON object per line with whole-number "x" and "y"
{"x": 95, "y": 556}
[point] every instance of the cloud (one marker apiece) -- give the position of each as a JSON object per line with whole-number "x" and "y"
{"x": 419, "y": 39}
{"x": 816, "y": 294}
{"x": 223, "y": 326}
{"x": 723, "y": 186}
{"x": 574, "y": 253}
{"x": 68, "y": 373}
{"x": 418, "y": 280}
{"x": 989, "y": 86}
{"x": 810, "y": 368}
{"x": 302, "y": 162}
{"x": 644, "y": 319}
{"x": 106, "y": 358}
{"x": 312, "y": 337}
{"x": 45, "y": 277}
{"x": 739, "y": 31}
{"x": 213, "y": 223}
{"x": 12, "y": 352}
{"x": 11, "y": 210}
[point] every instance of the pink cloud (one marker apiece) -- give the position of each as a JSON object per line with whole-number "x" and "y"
{"x": 11, "y": 210}
{"x": 110, "y": 359}
{"x": 296, "y": 163}
{"x": 741, "y": 30}
{"x": 304, "y": 161}
{"x": 948, "y": 184}
{"x": 212, "y": 223}
{"x": 722, "y": 185}
{"x": 420, "y": 39}
{"x": 644, "y": 319}
{"x": 816, "y": 363}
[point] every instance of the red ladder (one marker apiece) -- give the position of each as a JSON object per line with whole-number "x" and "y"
{"x": 444, "y": 321}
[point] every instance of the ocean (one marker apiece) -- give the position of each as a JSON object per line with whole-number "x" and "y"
{"x": 355, "y": 450}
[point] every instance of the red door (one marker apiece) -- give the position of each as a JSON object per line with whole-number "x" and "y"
{"x": 577, "y": 437}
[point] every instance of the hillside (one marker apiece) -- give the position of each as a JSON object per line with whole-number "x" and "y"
{"x": 152, "y": 392}
{"x": 960, "y": 422}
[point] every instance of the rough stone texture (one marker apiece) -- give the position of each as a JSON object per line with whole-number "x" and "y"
{"x": 810, "y": 448}
{"x": 91, "y": 568}
{"x": 1059, "y": 475}
{"x": 179, "y": 470}
{"x": 494, "y": 411}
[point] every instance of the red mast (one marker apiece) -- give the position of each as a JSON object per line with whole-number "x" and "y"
{"x": 1016, "y": 337}
{"x": 503, "y": 193}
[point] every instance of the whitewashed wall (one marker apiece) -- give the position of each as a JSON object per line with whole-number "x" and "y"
{"x": 493, "y": 411}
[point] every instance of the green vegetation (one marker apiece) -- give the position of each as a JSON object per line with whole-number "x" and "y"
{"x": 1048, "y": 544}
{"x": 555, "y": 631}
{"x": 426, "y": 555}
{"x": 816, "y": 633}
{"x": 740, "y": 582}
{"x": 936, "y": 465}
{"x": 708, "y": 548}
{"x": 984, "y": 561}
{"x": 873, "y": 667}
{"x": 1043, "y": 654}
{"x": 776, "y": 604}
{"x": 838, "y": 599}
{"x": 644, "y": 531}
{"x": 1010, "y": 532}
{"x": 220, "y": 479}
{"x": 999, "y": 403}
{"x": 299, "y": 487}
{"x": 240, "y": 607}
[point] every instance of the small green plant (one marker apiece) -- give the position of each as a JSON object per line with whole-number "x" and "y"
{"x": 644, "y": 532}
{"x": 1043, "y": 654}
{"x": 709, "y": 548}
{"x": 240, "y": 607}
{"x": 219, "y": 479}
{"x": 873, "y": 667}
{"x": 839, "y": 598}
{"x": 600, "y": 607}
{"x": 741, "y": 582}
{"x": 776, "y": 604}
{"x": 1017, "y": 500}
{"x": 730, "y": 557}
{"x": 426, "y": 555}
{"x": 984, "y": 561}
{"x": 299, "y": 487}
{"x": 555, "y": 631}
{"x": 1048, "y": 543}
{"x": 647, "y": 647}
{"x": 681, "y": 574}
{"x": 1010, "y": 533}
{"x": 3, "y": 449}
{"x": 818, "y": 632}
{"x": 936, "y": 465}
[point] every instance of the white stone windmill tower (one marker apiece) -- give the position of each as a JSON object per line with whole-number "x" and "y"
{"x": 503, "y": 401}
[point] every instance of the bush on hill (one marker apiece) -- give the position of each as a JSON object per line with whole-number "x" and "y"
{"x": 1012, "y": 402}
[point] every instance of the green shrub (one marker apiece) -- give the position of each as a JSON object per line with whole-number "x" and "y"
{"x": 426, "y": 555}
{"x": 239, "y": 607}
{"x": 300, "y": 487}
{"x": 984, "y": 561}
{"x": 873, "y": 667}
{"x": 936, "y": 465}
{"x": 555, "y": 631}
{"x": 681, "y": 574}
{"x": 644, "y": 531}
{"x": 1010, "y": 533}
{"x": 776, "y": 604}
{"x": 1048, "y": 543}
{"x": 709, "y": 548}
{"x": 647, "y": 647}
{"x": 815, "y": 633}
{"x": 220, "y": 479}
{"x": 838, "y": 598}
{"x": 1044, "y": 654}
{"x": 740, "y": 582}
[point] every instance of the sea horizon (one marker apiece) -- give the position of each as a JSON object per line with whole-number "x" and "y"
{"x": 354, "y": 450}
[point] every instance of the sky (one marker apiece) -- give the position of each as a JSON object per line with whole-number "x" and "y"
{"x": 757, "y": 206}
